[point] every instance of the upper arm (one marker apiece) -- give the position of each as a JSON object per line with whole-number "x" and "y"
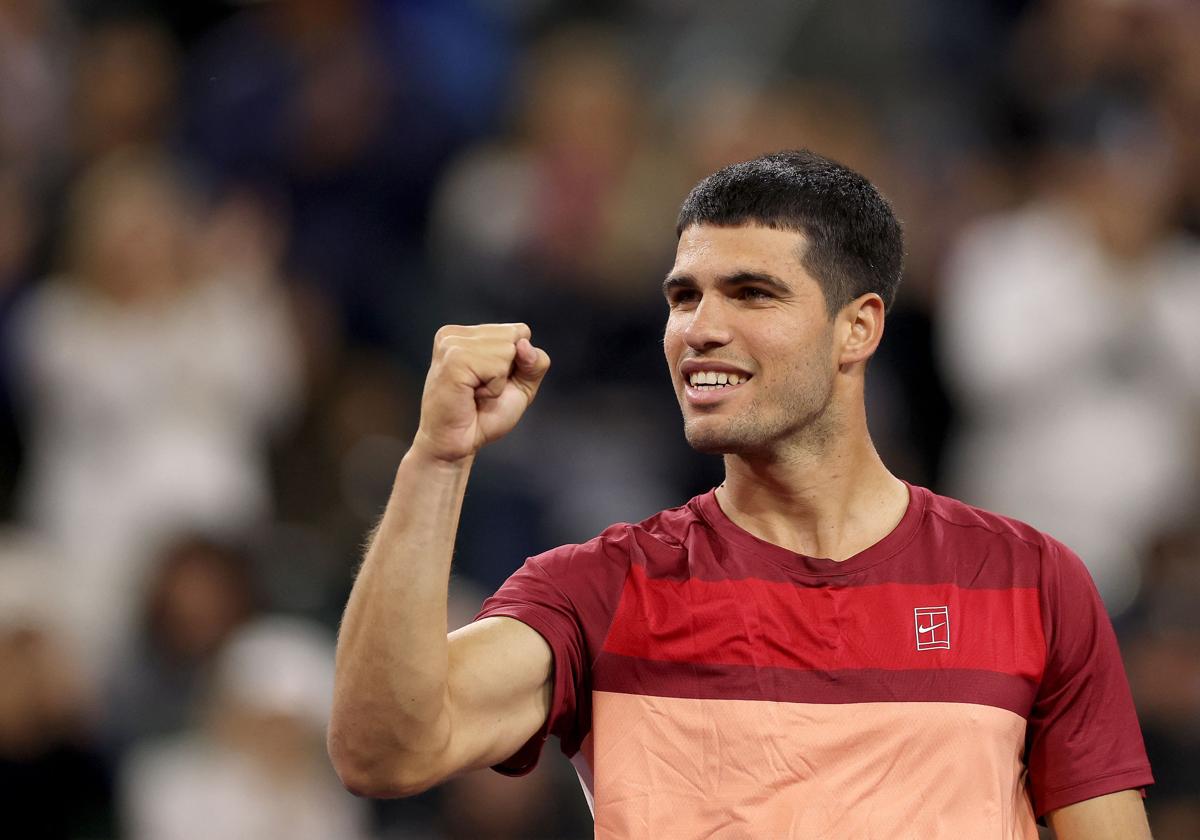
{"x": 1115, "y": 816}
{"x": 498, "y": 692}
{"x": 522, "y": 670}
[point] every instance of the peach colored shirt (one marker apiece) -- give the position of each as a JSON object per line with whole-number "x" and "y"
{"x": 956, "y": 679}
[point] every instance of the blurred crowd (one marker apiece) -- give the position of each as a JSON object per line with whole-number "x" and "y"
{"x": 228, "y": 231}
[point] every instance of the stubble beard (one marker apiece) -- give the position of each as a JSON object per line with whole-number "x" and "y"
{"x": 804, "y": 421}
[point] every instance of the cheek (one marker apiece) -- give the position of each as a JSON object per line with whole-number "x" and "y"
{"x": 672, "y": 340}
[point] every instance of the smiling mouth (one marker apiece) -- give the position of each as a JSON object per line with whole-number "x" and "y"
{"x": 709, "y": 380}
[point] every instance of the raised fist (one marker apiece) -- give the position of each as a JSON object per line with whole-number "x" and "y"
{"x": 480, "y": 382}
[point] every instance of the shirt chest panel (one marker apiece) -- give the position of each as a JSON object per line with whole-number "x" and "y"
{"x": 772, "y": 640}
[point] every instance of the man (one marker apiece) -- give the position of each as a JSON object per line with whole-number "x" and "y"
{"x": 813, "y": 649}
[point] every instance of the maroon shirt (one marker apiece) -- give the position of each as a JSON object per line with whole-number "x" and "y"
{"x": 958, "y": 677}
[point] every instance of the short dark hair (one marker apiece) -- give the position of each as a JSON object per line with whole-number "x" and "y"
{"x": 855, "y": 243}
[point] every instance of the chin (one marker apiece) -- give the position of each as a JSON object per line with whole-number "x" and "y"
{"x": 714, "y": 441}
{"x": 709, "y": 447}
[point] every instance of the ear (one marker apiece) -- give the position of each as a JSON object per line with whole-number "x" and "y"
{"x": 859, "y": 329}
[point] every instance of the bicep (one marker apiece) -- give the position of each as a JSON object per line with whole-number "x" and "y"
{"x": 498, "y": 690}
{"x": 1115, "y": 816}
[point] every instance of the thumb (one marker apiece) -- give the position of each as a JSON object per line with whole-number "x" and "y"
{"x": 531, "y": 364}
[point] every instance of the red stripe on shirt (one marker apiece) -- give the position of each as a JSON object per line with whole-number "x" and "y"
{"x": 832, "y": 628}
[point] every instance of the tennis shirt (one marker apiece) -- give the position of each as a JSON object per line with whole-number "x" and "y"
{"x": 959, "y": 678}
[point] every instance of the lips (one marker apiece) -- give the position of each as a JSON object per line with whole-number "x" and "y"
{"x": 690, "y": 366}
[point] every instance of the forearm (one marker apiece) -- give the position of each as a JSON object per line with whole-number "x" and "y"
{"x": 397, "y": 728}
{"x": 389, "y": 711}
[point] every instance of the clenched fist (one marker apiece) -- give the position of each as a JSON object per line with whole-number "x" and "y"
{"x": 480, "y": 382}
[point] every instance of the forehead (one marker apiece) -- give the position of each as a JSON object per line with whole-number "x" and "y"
{"x": 708, "y": 250}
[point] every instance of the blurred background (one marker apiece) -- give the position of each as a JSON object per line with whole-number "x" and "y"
{"x": 228, "y": 231}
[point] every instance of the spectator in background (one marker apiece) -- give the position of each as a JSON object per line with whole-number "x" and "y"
{"x": 120, "y": 96}
{"x": 332, "y": 476}
{"x": 17, "y": 234}
{"x": 544, "y": 224}
{"x": 257, "y": 766}
{"x": 1163, "y": 655}
{"x": 329, "y": 105}
{"x": 125, "y": 89}
{"x": 1068, "y": 331}
{"x": 1176, "y": 67}
{"x": 54, "y": 783}
{"x": 35, "y": 67}
{"x": 199, "y": 594}
{"x": 152, "y": 371}
{"x": 546, "y": 214}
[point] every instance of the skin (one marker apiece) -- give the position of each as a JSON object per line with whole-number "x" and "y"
{"x": 1117, "y": 816}
{"x": 413, "y": 707}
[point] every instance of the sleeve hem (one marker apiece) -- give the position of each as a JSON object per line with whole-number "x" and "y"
{"x": 1138, "y": 778}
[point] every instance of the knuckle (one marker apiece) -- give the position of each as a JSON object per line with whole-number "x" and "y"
{"x": 447, "y": 332}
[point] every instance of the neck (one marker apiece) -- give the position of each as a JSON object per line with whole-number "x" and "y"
{"x": 830, "y": 501}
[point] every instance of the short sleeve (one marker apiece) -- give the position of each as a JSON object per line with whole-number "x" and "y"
{"x": 1083, "y": 739}
{"x": 568, "y": 595}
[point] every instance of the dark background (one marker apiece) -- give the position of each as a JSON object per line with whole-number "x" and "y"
{"x": 228, "y": 232}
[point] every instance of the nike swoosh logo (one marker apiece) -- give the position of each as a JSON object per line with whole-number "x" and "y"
{"x": 930, "y": 628}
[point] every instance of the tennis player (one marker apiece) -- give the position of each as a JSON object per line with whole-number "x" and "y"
{"x": 814, "y": 649}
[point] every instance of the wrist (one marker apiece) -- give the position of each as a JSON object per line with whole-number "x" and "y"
{"x": 420, "y": 456}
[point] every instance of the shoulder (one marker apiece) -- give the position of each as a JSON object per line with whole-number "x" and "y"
{"x": 977, "y": 523}
{"x": 995, "y": 537}
{"x": 671, "y": 527}
{"x": 991, "y": 551}
{"x": 598, "y": 568}
{"x": 577, "y": 587}
{"x": 667, "y": 529}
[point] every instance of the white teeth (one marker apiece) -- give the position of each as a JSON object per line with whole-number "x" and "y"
{"x": 703, "y": 378}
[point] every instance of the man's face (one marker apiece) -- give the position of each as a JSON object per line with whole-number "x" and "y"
{"x": 744, "y": 311}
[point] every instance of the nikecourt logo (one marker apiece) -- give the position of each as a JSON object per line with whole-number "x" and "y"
{"x": 933, "y": 628}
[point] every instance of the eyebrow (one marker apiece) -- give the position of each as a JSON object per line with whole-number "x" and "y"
{"x": 737, "y": 278}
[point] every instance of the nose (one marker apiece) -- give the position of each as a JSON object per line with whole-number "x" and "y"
{"x": 707, "y": 327}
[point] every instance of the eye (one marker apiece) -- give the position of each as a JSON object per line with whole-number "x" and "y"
{"x": 753, "y": 293}
{"x": 681, "y": 296}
